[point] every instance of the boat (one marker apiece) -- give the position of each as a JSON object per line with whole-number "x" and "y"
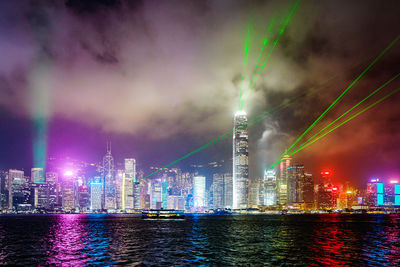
{"x": 163, "y": 214}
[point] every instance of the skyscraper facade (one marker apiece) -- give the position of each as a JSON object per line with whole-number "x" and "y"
{"x": 270, "y": 186}
{"x": 308, "y": 191}
{"x": 136, "y": 196}
{"x": 240, "y": 161}
{"x": 283, "y": 180}
{"x": 199, "y": 191}
{"x": 16, "y": 183}
{"x": 68, "y": 194}
{"x": 96, "y": 189}
{"x": 228, "y": 190}
{"x": 155, "y": 193}
{"x": 295, "y": 183}
{"x": 128, "y": 184}
{"x": 52, "y": 193}
{"x": 218, "y": 192}
{"x": 110, "y": 202}
{"x": 37, "y": 175}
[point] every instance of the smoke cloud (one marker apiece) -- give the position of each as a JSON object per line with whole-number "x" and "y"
{"x": 158, "y": 68}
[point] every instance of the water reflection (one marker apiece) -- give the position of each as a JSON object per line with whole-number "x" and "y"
{"x": 67, "y": 239}
{"x": 200, "y": 240}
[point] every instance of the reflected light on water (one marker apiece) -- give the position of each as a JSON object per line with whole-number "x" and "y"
{"x": 67, "y": 240}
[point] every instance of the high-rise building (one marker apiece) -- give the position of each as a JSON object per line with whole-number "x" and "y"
{"x": 228, "y": 191}
{"x": 164, "y": 192}
{"x": 37, "y": 175}
{"x": 254, "y": 193}
{"x": 40, "y": 195}
{"x": 136, "y": 196}
{"x": 218, "y": 191}
{"x": 83, "y": 198}
{"x": 371, "y": 194}
{"x": 199, "y": 191}
{"x": 3, "y": 190}
{"x": 128, "y": 184}
{"x": 68, "y": 192}
{"x": 308, "y": 191}
{"x": 96, "y": 194}
{"x": 155, "y": 193}
{"x": 283, "y": 180}
{"x": 326, "y": 196}
{"x": 52, "y": 193}
{"x": 16, "y": 184}
{"x": 295, "y": 183}
{"x": 240, "y": 161}
{"x": 119, "y": 189}
{"x": 110, "y": 201}
{"x": 176, "y": 202}
{"x": 270, "y": 186}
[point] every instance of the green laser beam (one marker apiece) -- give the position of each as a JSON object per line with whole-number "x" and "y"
{"x": 259, "y": 117}
{"x": 344, "y": 122}
{"x": 339, "y": 98}
{"x": 246, "y": 49}
{"x": 349, "y": 110}
{"x": 255, "y": 120}
{"x": 282, "y": 30}
{"x": 265, "y": 44}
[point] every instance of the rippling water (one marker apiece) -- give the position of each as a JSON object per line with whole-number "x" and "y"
{"x": 203, "y": 240}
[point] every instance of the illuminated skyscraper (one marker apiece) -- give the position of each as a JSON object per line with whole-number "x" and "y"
{"x": 270, "y": 186}
{"x": 136, "y": 195}
{"x": 240, "y": 161}
{"x": 129, "y": 185}
{"x": 308, "y": 191}
{"x": 371, "y": 195}
{"x": 52, "y": 193}
{"x": 228, "y": 190}
{"x": 39, "y": 191}
{"x": 68, "y": 196}
{"x": 96, "y": 192}
{"x": 156, "y": 193}
{"x": 295, "y": 183}
{"x": 110, "y": 201}
{"x": 15, "y": 180}
{"x": 199, "y": 191}
{"x": 283, "y": 180}
{"x": 37, "y": 175}
{"x": 83, "y": 198}
{"x": 218, "y": 192}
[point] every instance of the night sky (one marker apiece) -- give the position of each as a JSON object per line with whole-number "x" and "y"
{"x": 161, "y": 78}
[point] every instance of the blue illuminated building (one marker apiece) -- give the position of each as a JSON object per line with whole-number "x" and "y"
{"x": 379, "y": 194}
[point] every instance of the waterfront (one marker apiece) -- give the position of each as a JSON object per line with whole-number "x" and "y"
{"x": 202, "y": 239}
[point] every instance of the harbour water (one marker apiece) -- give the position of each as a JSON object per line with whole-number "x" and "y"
{"x": 77, "y": 239}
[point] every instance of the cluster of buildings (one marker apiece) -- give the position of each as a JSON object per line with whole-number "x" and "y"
{"x": 72, "y": 186}
{"x": 290, "y": 187}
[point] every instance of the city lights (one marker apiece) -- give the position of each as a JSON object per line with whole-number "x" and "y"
{"x": 68, "y": 173}
{"x": 188, "y": 133}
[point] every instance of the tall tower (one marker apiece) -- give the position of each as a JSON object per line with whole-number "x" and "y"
{"x": 240, "y": 161}
{"x": 270, "y": 187}
{"x": 283, "y": 179}
{"x": 128, "y": 184}
{"x": 110, "y": 202}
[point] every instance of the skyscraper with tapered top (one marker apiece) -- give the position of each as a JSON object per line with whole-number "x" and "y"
{"x": 240, "y": 161}
{"x": 110, "y": 200}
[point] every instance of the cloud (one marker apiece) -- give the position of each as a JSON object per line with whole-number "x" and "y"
{"x": 165, "y": 67}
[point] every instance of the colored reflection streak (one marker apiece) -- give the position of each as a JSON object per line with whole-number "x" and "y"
{"x": 392, "y": 231}
{"x": 328, "y": 243}
{"x": 67, "y": 241}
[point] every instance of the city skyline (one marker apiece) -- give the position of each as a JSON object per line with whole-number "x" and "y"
{"x": 48, "y": 120}
{"x": 210, "y": 133}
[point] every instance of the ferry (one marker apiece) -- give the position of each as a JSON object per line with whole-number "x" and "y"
{"x": 163, "y": 214}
